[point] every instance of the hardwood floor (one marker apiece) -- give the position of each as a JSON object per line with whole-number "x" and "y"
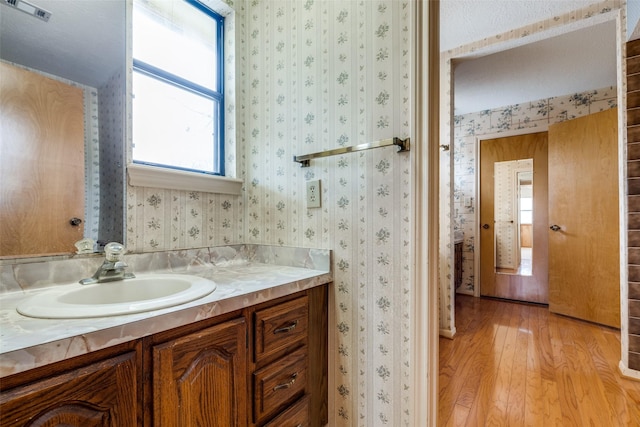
{"x": 514, "y": 364}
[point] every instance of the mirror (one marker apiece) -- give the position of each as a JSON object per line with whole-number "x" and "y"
{"x": 513, "y": 210}
{"x": 82, "y": 44}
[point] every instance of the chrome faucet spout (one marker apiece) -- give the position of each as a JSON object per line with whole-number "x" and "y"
{"x": 112, "y": 269}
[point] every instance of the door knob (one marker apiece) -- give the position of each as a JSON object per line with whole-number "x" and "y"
{"x": 486, "y": 226}
{"x": 75, "y": 221}
{"x": 555, "y": 227}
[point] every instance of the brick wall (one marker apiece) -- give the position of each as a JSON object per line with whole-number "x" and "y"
{"x": 633, "y": 176}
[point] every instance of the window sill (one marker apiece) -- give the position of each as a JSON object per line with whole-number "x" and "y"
{"x": 156, "y": 177}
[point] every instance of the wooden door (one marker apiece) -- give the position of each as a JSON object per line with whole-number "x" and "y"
{"x": 584, "y": 253}
{"x": 532, "y": 288}
{"x": 41, "y": 163}
{"x": 200, "y": 379}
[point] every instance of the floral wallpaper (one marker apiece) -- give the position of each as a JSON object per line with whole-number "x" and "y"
{"x": 111, "y": 159}
{"x": 322, "y": 75}
{"x": 159, "y": 219}
{"x": 531, "y": 115}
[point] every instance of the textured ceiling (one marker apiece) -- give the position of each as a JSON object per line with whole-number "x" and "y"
{"x": 83, "y": 40}
{"x": 577, "y": 61}
{"x": 466, "y": 21}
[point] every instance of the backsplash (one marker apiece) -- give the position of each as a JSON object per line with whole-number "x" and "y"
{"x": 28, "y": 276}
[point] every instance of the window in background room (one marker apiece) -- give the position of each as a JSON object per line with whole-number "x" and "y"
{"x": 526, "y": 207}
{"x": 178, "y": 85}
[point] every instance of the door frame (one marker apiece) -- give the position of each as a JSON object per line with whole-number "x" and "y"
{"x": 476, "y": 231}
{"x": 425, "y": 190}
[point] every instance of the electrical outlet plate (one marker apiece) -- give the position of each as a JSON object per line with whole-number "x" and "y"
{"x": 313, "y": 194}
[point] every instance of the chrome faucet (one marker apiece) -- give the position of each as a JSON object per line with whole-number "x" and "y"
{"x": 112, "y": 269}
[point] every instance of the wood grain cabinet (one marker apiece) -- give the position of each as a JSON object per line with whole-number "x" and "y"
{"x": 281, "y": 326}
{"x": 297, "y": 415}
{"x": 281, "y": 356}
{"x": 289, "y": 379}
{"x": 264, "y": 365}
{"x": 200, "y": 379}
{"x": 104, "y": 394}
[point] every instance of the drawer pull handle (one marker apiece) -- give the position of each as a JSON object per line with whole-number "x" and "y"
{"x": 286, "y": 328}
{"x": 287, "y": 384}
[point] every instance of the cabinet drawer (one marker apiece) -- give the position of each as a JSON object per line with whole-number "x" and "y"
{"x": 296, "y": 416}
{"x": 280, "y": 326}
{"x": 278, "y": 384}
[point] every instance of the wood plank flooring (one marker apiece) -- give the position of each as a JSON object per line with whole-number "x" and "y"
{"x": 513, "y": 364}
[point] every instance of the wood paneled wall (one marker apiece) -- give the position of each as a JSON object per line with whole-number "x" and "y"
{"x": 633, "y": 177}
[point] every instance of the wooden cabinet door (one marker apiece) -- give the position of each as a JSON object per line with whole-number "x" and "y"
{"x": 101, "y": 394}
{"x": 584, "y": 252}
{"x": 200, "y": 379}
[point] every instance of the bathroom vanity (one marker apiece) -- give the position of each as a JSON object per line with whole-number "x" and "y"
{"x": 252, "y": 353}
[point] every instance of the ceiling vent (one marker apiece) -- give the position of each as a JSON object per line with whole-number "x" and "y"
{"x": 29, "y": 8}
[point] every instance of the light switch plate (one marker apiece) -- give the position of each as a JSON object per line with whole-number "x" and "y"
{"x": 313, "y": 194}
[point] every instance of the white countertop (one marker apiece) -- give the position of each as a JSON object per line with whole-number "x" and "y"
{"x": 26, "y": 343}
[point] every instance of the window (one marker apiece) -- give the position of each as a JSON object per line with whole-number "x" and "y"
{"x": 178, "y": 94}
{"x": 526, "y": 210}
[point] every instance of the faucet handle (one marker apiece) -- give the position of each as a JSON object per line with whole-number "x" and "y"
{"x": 113, "y": 251}
{"x": 120, "y": 264}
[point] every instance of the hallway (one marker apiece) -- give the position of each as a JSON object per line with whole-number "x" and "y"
{"x": 515, "y": 364}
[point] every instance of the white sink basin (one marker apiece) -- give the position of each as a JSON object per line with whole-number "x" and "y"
{"x": 145, "y": 292}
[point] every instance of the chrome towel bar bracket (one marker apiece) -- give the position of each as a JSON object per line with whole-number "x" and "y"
{"x": 402, "y": 144}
